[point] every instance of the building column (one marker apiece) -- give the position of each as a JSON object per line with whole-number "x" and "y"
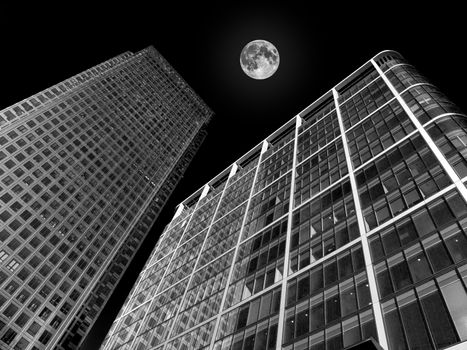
{"x": 377, "y": 313}
{"x": 280, "y": 328}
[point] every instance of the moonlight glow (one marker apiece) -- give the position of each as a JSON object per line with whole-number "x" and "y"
{"x": 259, "y": 59}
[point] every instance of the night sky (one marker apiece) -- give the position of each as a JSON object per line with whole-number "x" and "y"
{"x": 318, "y": 46}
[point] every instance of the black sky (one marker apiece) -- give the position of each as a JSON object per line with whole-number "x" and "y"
{"x": 318, "y": 45}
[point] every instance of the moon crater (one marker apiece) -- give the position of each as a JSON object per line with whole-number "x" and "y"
{"x": 259, "y": 59}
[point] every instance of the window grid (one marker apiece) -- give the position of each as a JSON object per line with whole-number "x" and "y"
{"x": 144, "y": 336}
{"x": 403, "y": 157}
{"x": 319, "y": 172}
{"x": 60, "y": 169}
{"x": 398, "y": 180}
{"x": 267, "y": 206}
{"x": 365, "y": 102}
{"x": 380, "y": 131}
{"x": 317, "y": 136}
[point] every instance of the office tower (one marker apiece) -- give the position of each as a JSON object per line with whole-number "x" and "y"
{"x": 346, "y": 224}
{"x": 85, "y": 168}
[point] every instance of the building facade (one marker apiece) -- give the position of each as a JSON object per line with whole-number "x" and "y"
{"x": 85, "y": 168}
{"x": 348, "y": 223}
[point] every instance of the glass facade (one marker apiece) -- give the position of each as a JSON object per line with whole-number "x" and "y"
{"x": 85, "y": 168}
{"x": 347, "y": 223}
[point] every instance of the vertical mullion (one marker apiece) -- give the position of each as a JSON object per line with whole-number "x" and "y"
{"x": 378, "y": 316}
{"x": 165, "y": 272}
{"x": 224, "y": 296}
{"x": 280, "y": 328}
{"x": 208, "y": 230}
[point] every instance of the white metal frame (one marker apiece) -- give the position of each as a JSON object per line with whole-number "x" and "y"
{"x": 297, "y": 121}
{"x": 280, "y": 328}
{"x": 378, "y": 316}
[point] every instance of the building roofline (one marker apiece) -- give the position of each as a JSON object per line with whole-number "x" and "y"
{"x": 381, "y": 53}
{"x": 303, "y": 112}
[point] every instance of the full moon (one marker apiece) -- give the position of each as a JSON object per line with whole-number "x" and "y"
{"x": 259, "y": 59}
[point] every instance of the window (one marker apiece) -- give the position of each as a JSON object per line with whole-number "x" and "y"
{"x": 455, "y": 297}
{"x": 437, "y": 315}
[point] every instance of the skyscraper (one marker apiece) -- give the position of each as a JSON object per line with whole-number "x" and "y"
{"x": 346, "y": 224}
{"x": 85, "y": 168}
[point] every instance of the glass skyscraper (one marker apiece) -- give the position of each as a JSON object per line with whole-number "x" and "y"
{"x": 85, "y": 168}
{"x": 346, "y": 224}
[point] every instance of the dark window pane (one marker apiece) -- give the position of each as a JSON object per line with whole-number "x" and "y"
{"x": 383, "y": 214}
{"x": 457, "y": 205}
{"x": 276, "y": 299}
{"x": 261, "y": 339}
{"x": 304, "y": 260}
{"x": 316, "y": 279}
{"x": 332, "y": 308}
{"x": 272, "y": 253}
{"x": 303, "y": 287}
{"x": 376, "y": 248}
{"x": 252, "y": 266}
{"x": 249, "y": 342}
{"x": 302, "y": 323}
{"x": 238, "y": 342}
{"x": 384, "y": 283}
{"x": 390, "y": 241}
{"x": 272, "y": 337}
{"x": 363, "y": 294}
{"x": 293, "y": 241}
{"x": 357, "y": 259}
{"x": 345, "y": 265}
{"x": 329, "y": 245}
{"x": 330, "y": 273}
{"x": 423, "y": 223}
{"x": 419, "y": 267}
{"x": 428, "y": 187}
{"x": 412, "y": 197}
{"x": 334, "y": 343}
{"x": 259, "y": 284}
{"x": 438, "y": 320}
{"x": 414, "y": 327}
{"x": 254, "y": 309}
{"x": 263, "y": 258}
{"x": 291, "y": 293}
{"x": 270, "y": 278}
{"x": 289, "y": 329}
{"x": 369, "y": 330}
{"x": 400, "y": 275}
{"x": 348, "y": 301}
{"x": 441, "y": 214}
{"x": 370, "y": 219}
{"x": 390, "y": 183}
{"x": 256, "y": 244}
{"x": 294, "y": 264}
{"x": 342, "y": 237}
{"x": 395, "y": 337}
{"x": 351, "y": 331}
{"x": 403, "y": 176}
{"x": 376, "y": 191}
{"x": 457, "y": 246}
{"x": 317, "y": 344}
{"x": 438, "y": 257}
{"x": 407, "y": 232}
{"x": 316, "y": 316}
{"x": 242, "y": 317}
{"x": 265, "y": 305}
{"x": 397, "y": 206}
{"x": 354, "y": 231}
